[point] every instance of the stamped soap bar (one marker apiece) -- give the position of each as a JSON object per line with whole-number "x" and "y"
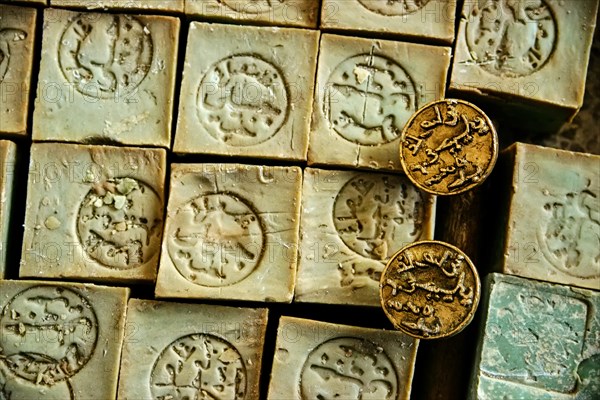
{"x": 366, "y": 91}
{"x": 8, "y": 155}
{"x": 231, "y": 232}
{"x": 60, "y": 341}
{"x": 17, "y": 36}
{"x": 300, "y": 13}
{"x": 106, "y": 78}
{"x": 352, "y": 223}
{"x": 420, "y": 20}
{"x": 191, "y": 351}
{"x": 538, "y": 341}
{"x": 247, "y": 91}
{"x": 93, "y": 212}
{"x": 161, "y": 5}
{"x": 552, "y": 226}
{"x": 319, "y": 360}
{"x": 507, "y": 52}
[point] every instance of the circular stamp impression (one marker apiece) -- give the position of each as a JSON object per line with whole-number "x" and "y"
{"x": 368, "y": 99}
{"x": 251, "y": 6}
{"x": 105, "y": 55}
{"x": 376, "y": 214}
{"x": 393, "y": 7}
{"x": 49, "y": 334}
{"x": 199, "y": 366}
{"x": 448, "y": 147}
{"x": 430, "y": 290}
{"x": 216, "y": 239}
{"x": 242, "y": 100}
{"x": 120, "y": 223}
{"x": 511, "y": 38}
{"x": 348, "y": 368}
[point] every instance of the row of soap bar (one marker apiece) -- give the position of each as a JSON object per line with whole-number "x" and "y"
{"x": 60, "y": 339}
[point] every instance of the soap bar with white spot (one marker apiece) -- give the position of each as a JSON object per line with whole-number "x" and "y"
{"x": 161, "y": 5}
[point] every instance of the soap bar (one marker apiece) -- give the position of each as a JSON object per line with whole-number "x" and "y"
{"x": 367, "y": 89}
{"x": 162, "y": 5}
{"x": 8, "y": 155}
{"x": 300, "y": 13}
{"x": 352, "y": 223}
{"x": 538, "y": 341}
{"x": 319, "y": 360}
{"x": 507, "y": 52}
{"x": 106, "y": 78}
{"x": 247, "y": 91}
{"x": 17, "y": 36}
{"x": 60, "y": 341}
{"x": 93, "y": 212}
{"x": 33, "y": 2}
{"x": 552, "y": 225}
{"x": 231, "y": 233}
{"x": 191, "y": 351}
{"x": 419, "y": 20}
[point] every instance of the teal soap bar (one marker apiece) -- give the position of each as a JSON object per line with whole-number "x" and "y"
{"x": 538, "y": 341}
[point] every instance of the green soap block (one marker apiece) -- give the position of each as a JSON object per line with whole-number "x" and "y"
{"x": 538, "y": 341}
{"x": 8, "y": 153}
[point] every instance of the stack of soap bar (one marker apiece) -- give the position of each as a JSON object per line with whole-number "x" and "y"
{"x": 538, "y": 341}
{"x": 8, "y": 155}
{"x": 247, "y": 91}
{"x": 231, "y": 232}
{"x": 162, "y": 5}
{"x": 507, "y": 52}
{"x": 301, "y": 13}
{"x": 93, "y": 212}
{"x": 551, "y": 226}
{"x": 352, "y": 223}
{"x": 366, "y": 91}
{"x": 191, "y": 351}
{"x": 60, "y": 341}
{"x": 428, "y": 20}
{"x": 17, "y": 35}
{"x": 319, "y": 360}
{"x": 106, "y": 78}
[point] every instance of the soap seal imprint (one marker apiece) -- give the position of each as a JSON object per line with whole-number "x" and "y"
{"x": 376, "y": 214}
{"x": 243, "y": 100}
{"x": 216, "y": 239}
{"x": 368, "y": 99}
{"x": 391, "y": 8}
{"x": 49, "y": 333}
{"x": 105, "y": 56}
{"x": 199, "y": 366}
{"x": 348, "y": 368}
{"x": 511, "y": 38}
{"x": 119, "y": 223}
{"x": 448, "y": 147}
{"x": 9, "y": 37}
{"x": 430, "y": 290}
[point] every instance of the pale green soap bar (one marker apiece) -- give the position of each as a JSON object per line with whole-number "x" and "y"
{"x": 162, "y": 5}
{"x": 8, "y": 153}
{"x": 538, "y": 341}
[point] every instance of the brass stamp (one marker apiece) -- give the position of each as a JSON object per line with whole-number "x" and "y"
{"x": 430, "y": 290}
{"x": 448, "y": 147}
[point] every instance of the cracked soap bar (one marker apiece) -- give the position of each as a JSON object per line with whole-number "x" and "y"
{"x": 319, "y": 360}
{"x": 161, "y": 5}
{"x": 507, "y": 52}
{"x": 538, "y": 341}
{"x": 231, "y": 233}
{"x": 8, "y": 155}
{"x": 208, "y": 351}
{"x": 247, "y": 91}
{"x": 59, "y": 338}
{"x": 93, "y": 212}
{"x": 17, "y": 37}
{"x": 352, "y": 223}
{"x": 424, "y": 20}
{"x": 106, "y": 78}
{"x": 552, "y": 221}
{"x": 366, "y": 91}
{"x": 300, "y": 13}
